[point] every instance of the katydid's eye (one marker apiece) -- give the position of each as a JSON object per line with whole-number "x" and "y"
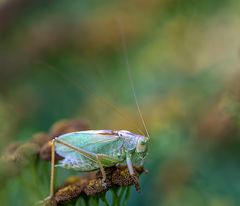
{"x": 142, "y": 142}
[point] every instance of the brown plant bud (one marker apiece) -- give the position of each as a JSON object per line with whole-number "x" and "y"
{"x": 66, "y": 126}
{"x": 25, "y": 153}
{"x": 97, "y": 186}
{"x": 45, "y": 152}
{"x": 11, "y": 148}
{"x": 68, "y": 193}
{"x": 122, "y": 177}
{"x": 40, "y": 138}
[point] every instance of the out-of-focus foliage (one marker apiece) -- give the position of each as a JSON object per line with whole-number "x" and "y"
{"x": 64, "y": 59}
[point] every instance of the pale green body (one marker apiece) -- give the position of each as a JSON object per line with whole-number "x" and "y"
{"x": 113, "y": 146}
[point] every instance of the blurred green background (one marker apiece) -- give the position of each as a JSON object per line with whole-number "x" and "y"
{"x": 64, "y": 59}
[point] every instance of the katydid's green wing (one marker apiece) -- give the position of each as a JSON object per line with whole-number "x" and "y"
{"x": 95, "y": 141}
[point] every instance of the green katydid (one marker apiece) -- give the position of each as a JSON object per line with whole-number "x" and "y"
{"x": 95, "y": 149}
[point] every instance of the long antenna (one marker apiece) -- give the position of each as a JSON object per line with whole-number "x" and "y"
{"x": 90, "y": 93}
{"x": 125, "y": 51}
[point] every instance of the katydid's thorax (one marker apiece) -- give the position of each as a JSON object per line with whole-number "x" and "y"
{"x": 136, "y": 146}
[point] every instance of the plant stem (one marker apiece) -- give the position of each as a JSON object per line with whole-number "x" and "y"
{"x": 104, "y": 200}
{"x": 127, "y": 195}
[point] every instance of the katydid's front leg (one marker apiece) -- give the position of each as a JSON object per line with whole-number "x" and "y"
{"x": 131, "y": 171}
{"x": 129, "y": 164}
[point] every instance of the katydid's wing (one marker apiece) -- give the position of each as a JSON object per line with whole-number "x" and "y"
{"x": 95, "y": 141}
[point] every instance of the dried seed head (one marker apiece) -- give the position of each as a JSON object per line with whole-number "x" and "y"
{"x": 122, "y": 177}
{"x": 40, "y": 138}
{"x": 77, "y": 180}
{"x": 12, "y": 148}
{"x": 68, "y": 193}
{"x": 66, "y": 126}
{"x": 45, "y": 152}
{"x": 96, "y": 186}
{"x": 25, "y": 153}
{"x": 108, "y": 171}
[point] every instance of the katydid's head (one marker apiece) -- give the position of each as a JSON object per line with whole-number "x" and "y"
{"x": 141, "y": 142}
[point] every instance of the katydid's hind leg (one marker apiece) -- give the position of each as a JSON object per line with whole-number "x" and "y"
{"x": 101, "y": 168}
{"x": 104, "y": 184}
{"x": 108, "y": 161}
{"x": 52, "y": 168}
{"x": 48, "y": 199}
